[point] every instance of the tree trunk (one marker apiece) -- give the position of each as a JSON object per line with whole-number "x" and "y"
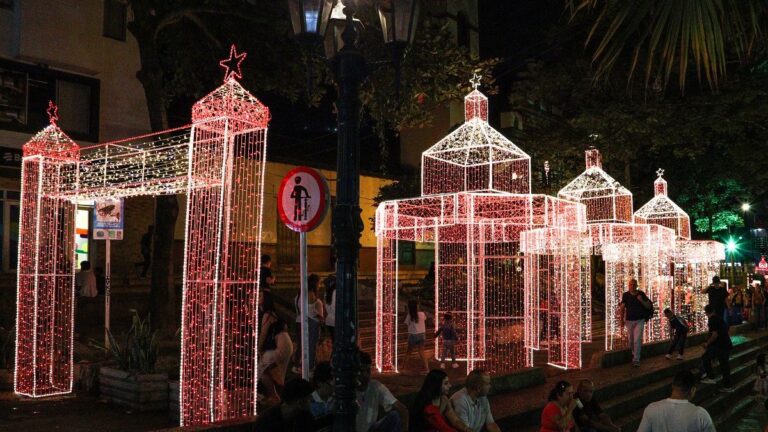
{"x": 164, "y": 307}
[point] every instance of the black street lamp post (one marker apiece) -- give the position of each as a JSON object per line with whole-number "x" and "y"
{"x": 310, "y": 21}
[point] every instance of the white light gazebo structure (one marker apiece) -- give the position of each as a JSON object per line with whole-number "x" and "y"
{"x": 695, "y": 262}
{"x": 629, "y": 250}
{"x": 219, "y": 162}
{"x": 475, "y": 206}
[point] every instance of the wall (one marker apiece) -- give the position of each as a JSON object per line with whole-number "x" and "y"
{"x": 67, "y": 35}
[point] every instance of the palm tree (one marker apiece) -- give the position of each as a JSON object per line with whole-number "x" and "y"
{"x": 659, "y": 38}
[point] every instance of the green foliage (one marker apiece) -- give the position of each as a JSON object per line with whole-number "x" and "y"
{"x": 705, "y": 141}
{"x": 660, "y": 38}
{"x": 721, "y": 221}
{"x": 139, "y": 350}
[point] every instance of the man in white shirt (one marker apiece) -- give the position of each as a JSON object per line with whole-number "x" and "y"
{"x": 371, "y": 395}
{"x": 676, "y": 413}
{"x": 471, "y": 403}
{"x": 86, "y": 281}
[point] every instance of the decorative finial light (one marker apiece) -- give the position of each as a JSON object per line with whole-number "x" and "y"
{"x": 660, "y": 172}
{"x": 475, "y": 80}
{"x": 231, "y": 65}
{"x": 53, "y": 113}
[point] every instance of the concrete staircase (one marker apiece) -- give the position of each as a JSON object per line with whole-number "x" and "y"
{"x": 625, "y": 399}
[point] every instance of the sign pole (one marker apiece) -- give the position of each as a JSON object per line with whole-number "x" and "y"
{"x": 107, "y": 276}
{"x": 302, "y": 204}
{"x": 304, "y": 299}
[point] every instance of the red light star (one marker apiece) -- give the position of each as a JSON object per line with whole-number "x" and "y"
{"x": 232, "y": 64}
{"x": 53, "y": 112}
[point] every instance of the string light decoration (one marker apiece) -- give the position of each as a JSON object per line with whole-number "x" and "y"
{"x": 606, "y": 199}
{"x": 661, "y": 210}
{"x": 696, "y": 262}
{"x": 475, "y": 157}
{"x": 641, "y": 251}
{"x": 475, "y": 205}
{"x": 219, "y": 162}
{"x": 558, "y": 304}
{"x": 45, "y": 274}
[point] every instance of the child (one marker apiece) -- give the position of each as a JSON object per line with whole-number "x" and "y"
{"x": 416, "y": 322}
{"x": 449, "y": 340}
{"x": 761, "y": 380}
{"x": 680, "y": 330}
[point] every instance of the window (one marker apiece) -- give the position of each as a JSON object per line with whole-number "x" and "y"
{"x": 74, "y": 100}
{"x": 26, "y": 89}
{"x": 115, "y": 12}
{"x": 9, "y": 231}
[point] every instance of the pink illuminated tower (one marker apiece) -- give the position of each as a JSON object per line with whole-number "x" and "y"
{"x": 219, "y": 162}
{"x": 475, "y": 206}
{"x": 45, "y": 293}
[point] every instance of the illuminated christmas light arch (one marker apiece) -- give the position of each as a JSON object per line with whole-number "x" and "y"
{"x": 695, "y": 264}
{"x": 475, "y": 206}
{"x": 219, "y": 162}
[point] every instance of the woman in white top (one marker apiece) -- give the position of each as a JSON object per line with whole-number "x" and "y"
{"x": 330, "y": 304}
{"x": 416, "y": 322}
{"x": 315, "y": 315}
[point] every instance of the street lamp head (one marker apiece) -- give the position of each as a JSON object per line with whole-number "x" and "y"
{"x": 398, "y": 21}
{"x": 745, "y": 207}
{"x": 731, "y": 245}
{"x": 310, "y": 18}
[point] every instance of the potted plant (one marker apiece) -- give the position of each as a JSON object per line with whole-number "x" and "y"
{"x": 133, "y": 382}
{"x": 7, "y": 337}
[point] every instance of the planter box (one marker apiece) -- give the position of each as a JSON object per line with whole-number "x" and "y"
{"x": 136, "y": 392}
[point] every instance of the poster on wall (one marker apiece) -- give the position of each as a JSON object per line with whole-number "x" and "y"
{"x": 108, "y": 219}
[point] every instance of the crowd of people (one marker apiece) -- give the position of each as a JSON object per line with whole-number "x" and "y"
{"x": 304, "y": 405}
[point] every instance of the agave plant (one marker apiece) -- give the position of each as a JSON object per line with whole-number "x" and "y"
{"x": 138, "y": 351}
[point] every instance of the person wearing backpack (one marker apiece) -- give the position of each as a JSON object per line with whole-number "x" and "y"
{"x": 635, "y": 308}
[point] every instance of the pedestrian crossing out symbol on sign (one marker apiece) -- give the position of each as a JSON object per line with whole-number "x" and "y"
{"x": 303, "y": 199}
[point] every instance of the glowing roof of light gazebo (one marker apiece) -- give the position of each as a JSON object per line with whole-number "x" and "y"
{"x": 663, "y": 211}
{"x": 606, "y": 199}
{"x": 475, "y": 157}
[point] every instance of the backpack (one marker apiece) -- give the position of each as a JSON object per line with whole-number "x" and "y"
{"x": 648, "y": 313}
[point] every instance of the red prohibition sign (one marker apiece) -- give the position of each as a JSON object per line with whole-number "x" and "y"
{"x": 302, "y": 199}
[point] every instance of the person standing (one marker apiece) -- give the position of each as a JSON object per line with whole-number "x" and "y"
{"x": 448, "y": 342}
{"x": 633, "y": 311}
{"x": 680, "y": 334}
{"x": 85, "y": 280}
{"x": 718, "y": 346}
{"x": 416, "y": 322}
{"x": 315, "y": 315}
{"x": 736, "y": 303}
{"x": 677, "y": 413}
{"x": 146, "y": 249}
{"x": 471, "y": 403}
{"x": 330, "y": 305}
{"x": 266, "y": 278}
{"x": 758, "y": 305}
{"x": 717, "y": 295}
